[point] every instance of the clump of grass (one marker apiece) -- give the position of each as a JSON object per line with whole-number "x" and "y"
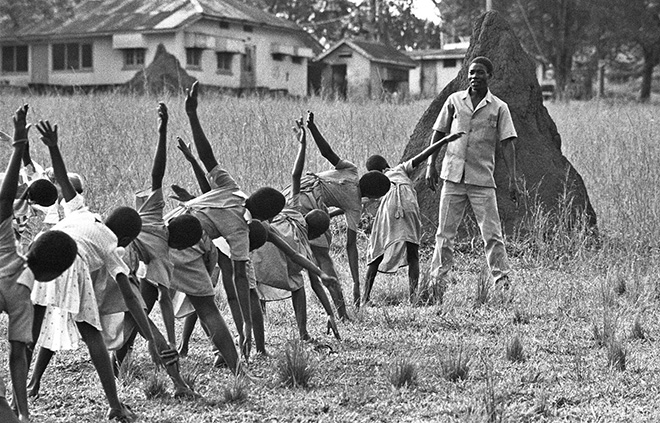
{"x": 155, "y": 387}
{"x": 455, "y": 366}
{"x": 619, "y": 284}
{"x": 403, "y": 373}
{"x": 237, "y": 391}
{"x": 190, "y": 376}
{"x": 605, "y": 332}
{"x": 293, "y": 367}
{"x": 638, "y": 332}
{"x": 492, "y": 410}
{"x": 616, "y": 355}
{"x": 129, "y": 371}
{"x": 520, "y": 317}
{"x": 515, "y": 351}
{"x": 483, "y": 287}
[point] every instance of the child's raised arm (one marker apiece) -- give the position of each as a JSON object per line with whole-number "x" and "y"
{"x": 199, "y": 172}
{"x": 299, "y": 164}
{"x": 49, "y": 138}
{"x": 201, "y": 142}
{"x": 10, "y": 183}
{"x": 160, "y": 158}
{"x": 321, "y": 143}
{"x": 433, "y": 148}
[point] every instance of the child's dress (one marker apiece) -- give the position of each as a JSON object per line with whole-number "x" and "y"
{"x": 397, "y": 221}
{"x": 77, "y": 294}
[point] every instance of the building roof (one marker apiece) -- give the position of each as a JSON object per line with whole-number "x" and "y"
{"x": 374, "y": 51}
{"x": 104, "y": 17}
{"x": 449, "y": 51}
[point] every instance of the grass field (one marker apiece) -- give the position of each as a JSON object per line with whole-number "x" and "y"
{"x": 580, "y": 314}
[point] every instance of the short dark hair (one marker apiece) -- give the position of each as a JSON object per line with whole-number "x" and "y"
{"x": 184, "y": 231}
{"x": 377, "y": 162}
{"x": 42, "y": 192}
{"x": 258, "y": 234}
{"x": 483, "y": 60}
{"x": 125, "y": 222}
{"x": 265, "y": 203}
{"x": 318, "y": 221}
{"x": 52, "y": 252}
{"x": 374, "y": 184}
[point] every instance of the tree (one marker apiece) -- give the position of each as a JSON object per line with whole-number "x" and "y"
{"x": 638, "y": 24}
{"x": 23, "y": 12}
{"x": 552, "y": 31}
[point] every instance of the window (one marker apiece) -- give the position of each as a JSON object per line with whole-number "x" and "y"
{"x": 449, "y": 63}
{"x": 134, "y": 57}
{"x": 194, "y": 57}
{"x": 278, "y": 57}
{"x": 223, "y": 25}
{"x": 224, "y": 62}
{"x": 297, "y": 60}
{"x": 247, "y": 63}
{"x": 72, "y": 56}
{"x": 248, "y": 28}
{"x": 15, "y": 58}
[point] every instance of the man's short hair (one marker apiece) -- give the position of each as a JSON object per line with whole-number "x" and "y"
{"x": 265, "y": 203}
{"x": 377, "y": 162}
{"x": 483, "y": 60}
{"x": 52, "y": 252}
{"x": 374, "y": 184}
{"x": 318, "y": 221}
{"x": 42, "y": 192}
{"x": 125, "y": 222}
{"x": 258, "y": 234}
{"x": 184, "y": 231}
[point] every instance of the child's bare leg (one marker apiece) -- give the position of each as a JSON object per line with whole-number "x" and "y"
{"x": 227, "y": 271}
{"x": 167, "y": 311}
{"x": 317, "y": 287}
{"x": 324, "y": 260}
{"x": 220, "y": 336}
{"x": 18, "y": 368}
{"x": 44, "y": 356}
{"x": 257, "y": 323}
{"x": 101, "y": 360}
{"x": 372, "y": 271}
{"x": 39, "y": 314}
{"x": 188, "y": 328}
{"x": 299, "y": 300}
{"x": 412, "y": 252}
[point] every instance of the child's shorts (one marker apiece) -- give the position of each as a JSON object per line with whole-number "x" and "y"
{"x": 15, "y": 301}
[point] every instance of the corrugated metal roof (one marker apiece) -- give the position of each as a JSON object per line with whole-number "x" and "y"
{"x": 113, "y": 16}
{"x": 374, "y": 51}
{"x": 433, "y": 54}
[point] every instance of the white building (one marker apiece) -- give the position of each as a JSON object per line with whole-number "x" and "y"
{"x": 223, "y": 43}
{"x": 437, "y": 68}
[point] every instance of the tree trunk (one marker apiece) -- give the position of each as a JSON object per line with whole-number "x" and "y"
{"x": 650, "y": 60}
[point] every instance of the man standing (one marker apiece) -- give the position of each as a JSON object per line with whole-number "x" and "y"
{"x": 468, "y": 170}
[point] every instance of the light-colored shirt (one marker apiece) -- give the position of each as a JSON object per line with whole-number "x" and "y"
{"x": 471, "y": 158}
{"x": 12, "y": 264}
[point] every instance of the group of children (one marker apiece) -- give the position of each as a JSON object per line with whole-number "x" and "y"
{"x": 96, "y": 280}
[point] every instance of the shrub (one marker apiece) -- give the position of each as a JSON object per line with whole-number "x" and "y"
{"x": 455, "y": 366}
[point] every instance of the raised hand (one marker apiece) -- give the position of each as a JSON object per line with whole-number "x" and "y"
{"x": 163, "y": 116}
{"x": 191, "y": 98}
{"x": 20, "y": 123}
{"x": 185, "y": 149}
{"x": 48, "y": 133}
{"x": 300, "y": 131}
{"x": 310, "y": 118}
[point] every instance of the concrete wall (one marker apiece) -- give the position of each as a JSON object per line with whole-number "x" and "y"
{"x": 358, "y": 73}
{"x": 441, "y": 77}
{"x": 108, "y": 61}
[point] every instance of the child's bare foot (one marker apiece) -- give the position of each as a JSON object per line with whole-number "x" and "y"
{"x": 123, "y": 414}
{"x": 183, "y": 350}
{"x": 33, "y": 390}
